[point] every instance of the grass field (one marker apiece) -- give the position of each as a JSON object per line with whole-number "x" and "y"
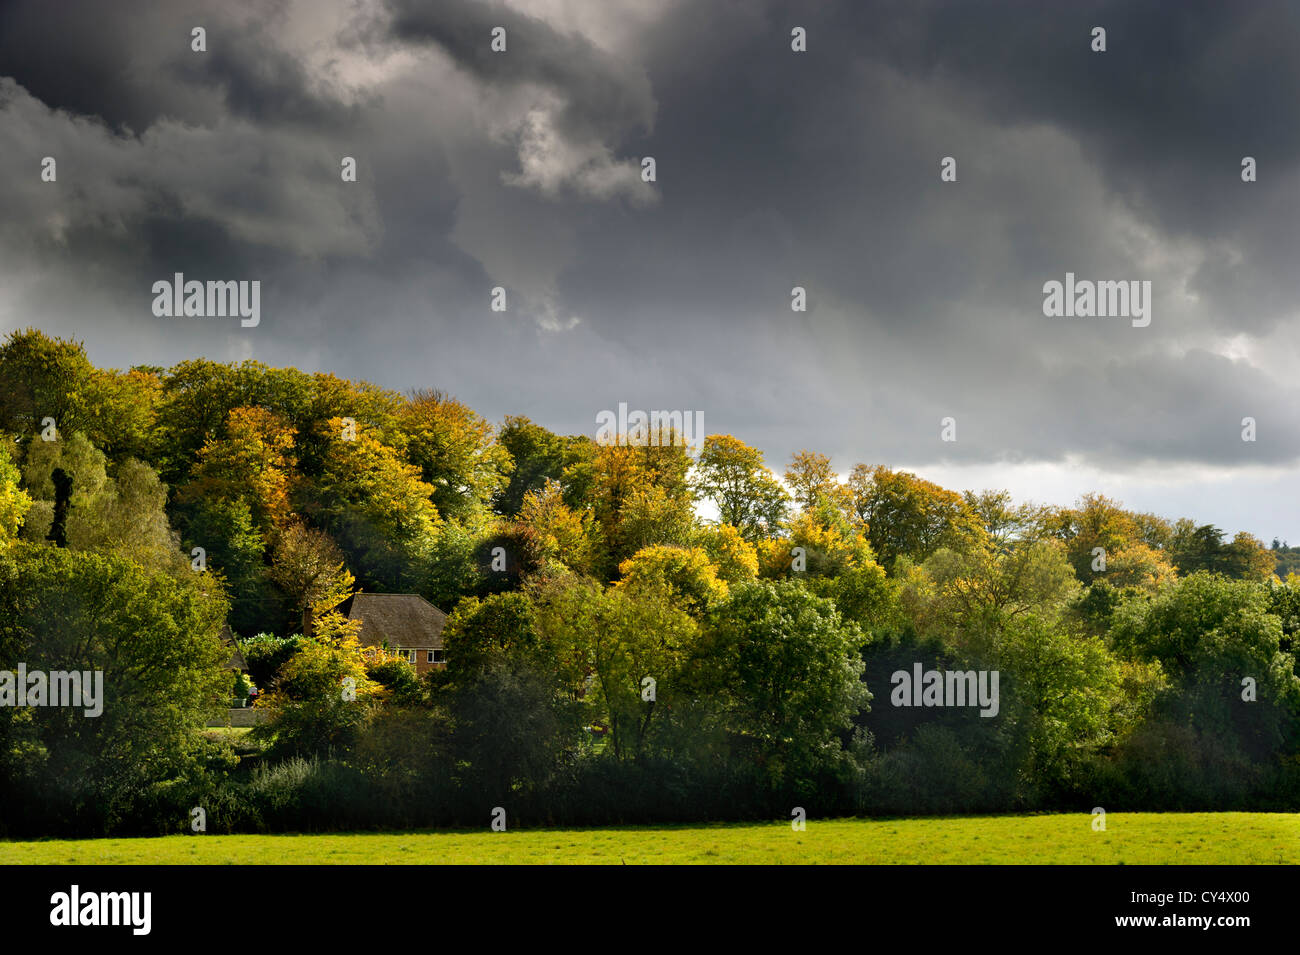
{"x": 1130, "y": 838}
{"x": 227, "y": 731}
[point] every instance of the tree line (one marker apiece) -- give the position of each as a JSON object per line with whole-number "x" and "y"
{"x": 612, "y": 656}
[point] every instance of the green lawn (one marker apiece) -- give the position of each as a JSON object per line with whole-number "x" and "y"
{"x": 227, "y": 732}
{"x": 1131, "y": 838}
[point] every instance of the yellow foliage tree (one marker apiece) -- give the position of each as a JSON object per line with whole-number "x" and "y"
{"x": 735, "y": 557}
{"x": 685, "y": 573}
{"x": 14, "y": 501}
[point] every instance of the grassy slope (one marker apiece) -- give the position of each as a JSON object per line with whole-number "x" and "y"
{"x": 1132, "y": 838}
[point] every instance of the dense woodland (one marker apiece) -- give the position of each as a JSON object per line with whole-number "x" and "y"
{"x": 1145, "y": 663}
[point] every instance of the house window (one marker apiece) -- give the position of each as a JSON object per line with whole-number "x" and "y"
{"x": 437, "y": 656}
{"x": 410, "y": 656}
{"x": 430, "y": 659}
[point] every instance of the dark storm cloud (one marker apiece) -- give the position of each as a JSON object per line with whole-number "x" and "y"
{"x": 262, "y": 82}
{"x": 823, "y": 172}
{"x": 775, "y": 169}
{"x": 77, "y": 58}
{"x": 602, "y": 93}
{"x": 130, "y": 62}
{"x": 1181, "y": 94}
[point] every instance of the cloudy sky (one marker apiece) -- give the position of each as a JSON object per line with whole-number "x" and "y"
{"x": 775, "y": 169}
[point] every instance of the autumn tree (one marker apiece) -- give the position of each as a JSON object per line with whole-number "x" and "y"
{"x": 198, "y": 396}
{"x": 1094, "y": 522}
{"x": 733, "y": 476}
{"x": 1136, "y": 565}
{"x": 252, "y": 460}
{"x": 309, "y": 569}
{"x": 456, "y": 452}
{"x": 14, "y": 501}
{"x": 683, "y": 575}
{"x": 735, "y": 557}
{"x": 820, "y": 542}
{"x": 1248, "y": 558}
{"x": 560, "y": 535}
{"x": 812, "y": 479}
{"x": 375, "y": 506}
{"x": 904, "y": 515}
{"x": 639, "y": 495}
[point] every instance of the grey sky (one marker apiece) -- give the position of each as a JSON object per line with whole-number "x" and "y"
{"x": 775, "y": 169}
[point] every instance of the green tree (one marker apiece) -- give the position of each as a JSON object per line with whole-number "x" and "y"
{"x": 968, "y": 598}
{"x": 748, "y": 496}
{"x": 124, "y": 515}
{"x": 785, "y": 669}
{"x": 43, "y": 377}
{"x": 196, "y": 398}
{"x": 1203, "y": 548}
{"x": 1211, "y": 635}
{"x": 1070, "y": 696}
{"x": 516, "y": 709}
{"x": 538, "y": 456}
{"x": 121, "y": 411}
{"x": 450, "y": 568}
{"x": 864, "y": 595}
{"x": 323, "y": 695}
{"x": 234, "y": 550}
{"x": 626, "y": 650}
{"x": 156, "y": 640}
{"x": 265, "y": 653}
{"x": 1005, "y": 523}
{"x": 498, "y": 629}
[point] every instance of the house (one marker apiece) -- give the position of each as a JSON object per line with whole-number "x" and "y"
{"x": 405, "y": 623}
{"x": 237, "y": 661}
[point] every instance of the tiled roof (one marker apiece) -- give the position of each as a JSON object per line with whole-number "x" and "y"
{"x": 237, "y": 661}
{"x": 400, "y": 620}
